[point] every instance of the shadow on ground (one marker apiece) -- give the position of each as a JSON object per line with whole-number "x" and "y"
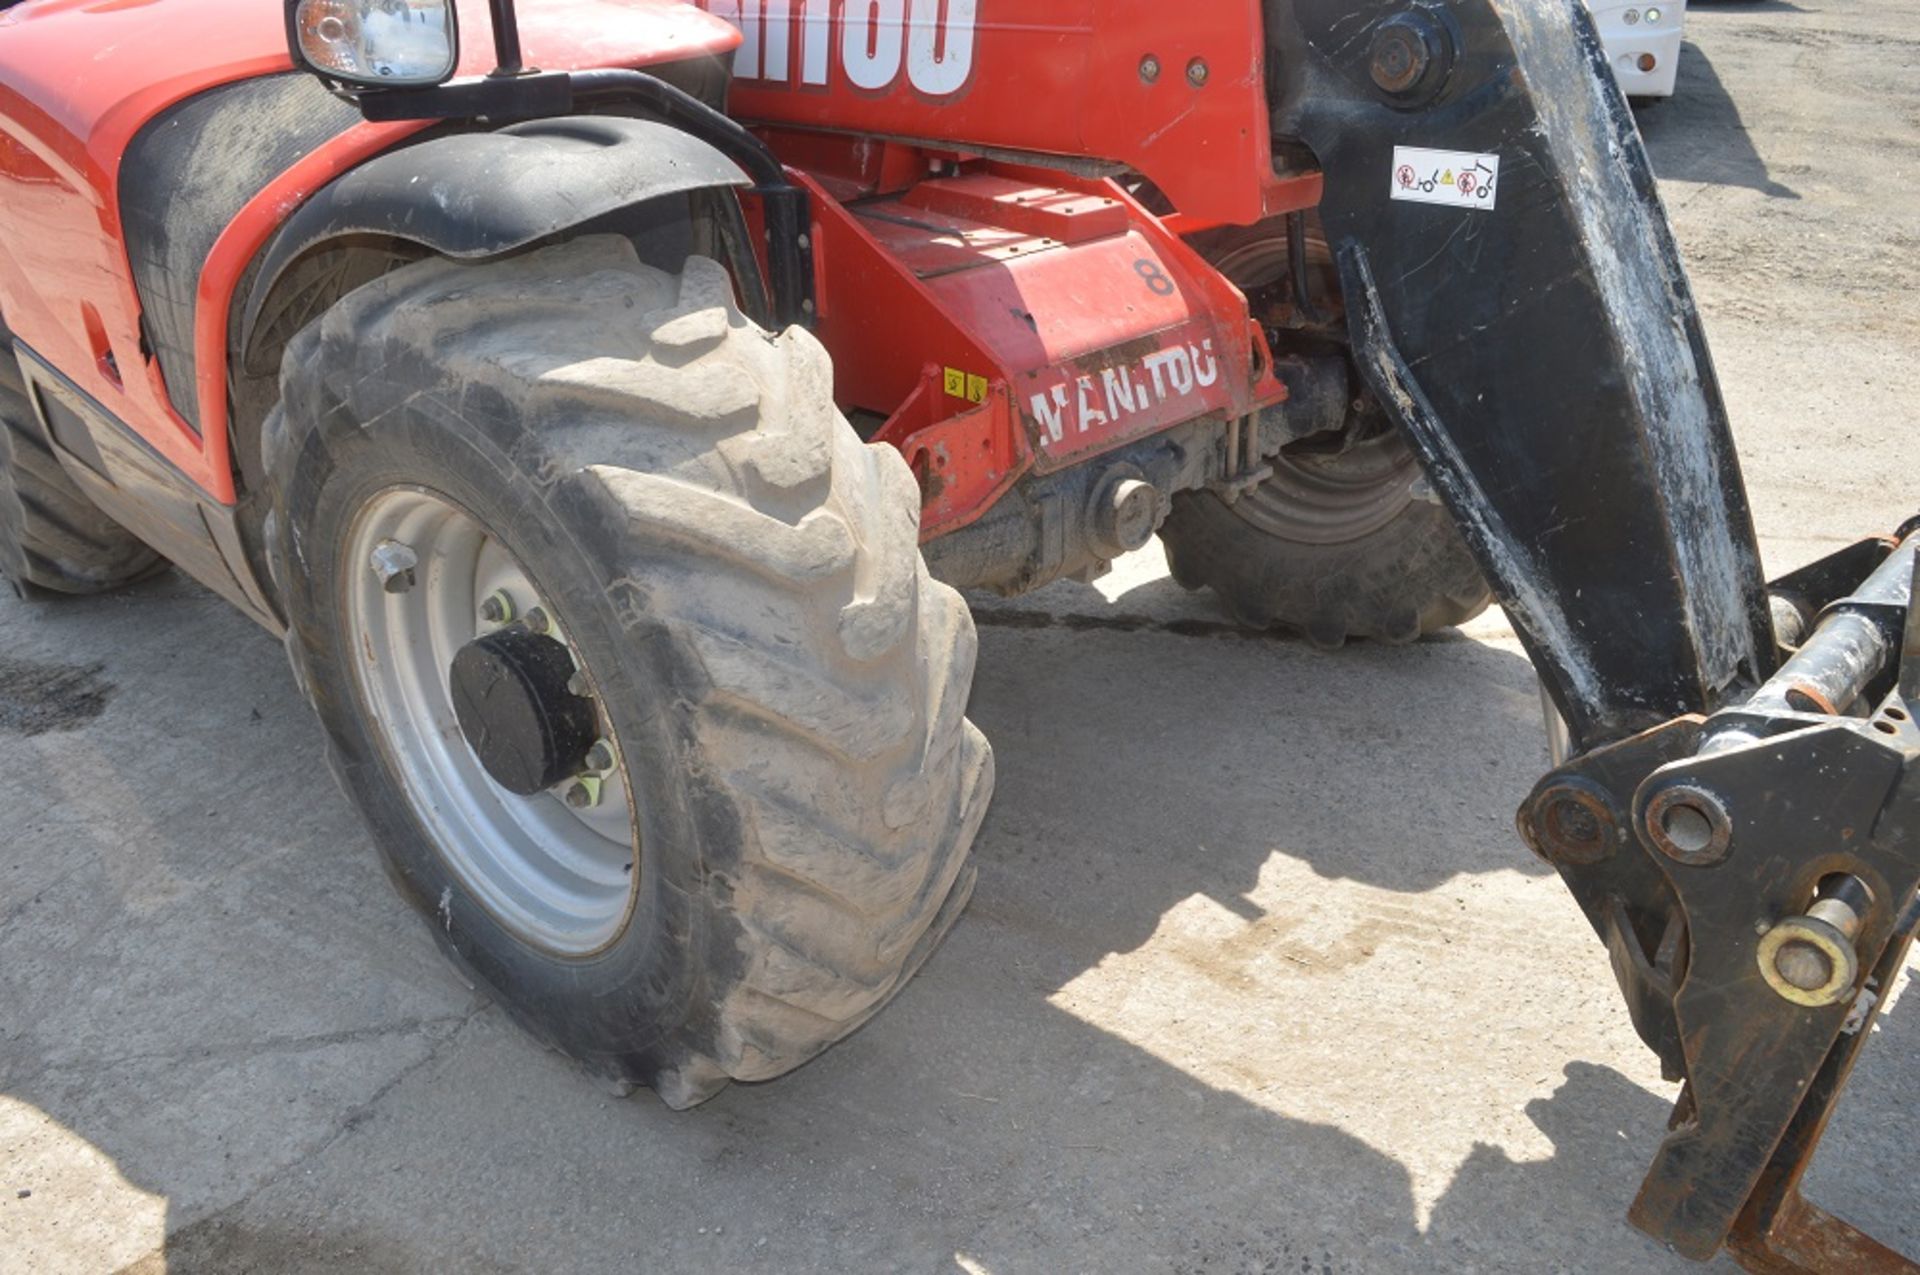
{"x": 1698, "y": 134}
{"x": 205, "y": 977}
{"x": 1701, "y": 8}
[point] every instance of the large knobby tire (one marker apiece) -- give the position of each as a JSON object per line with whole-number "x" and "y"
{"x": 1342, "y": 541}
{"x": 739, "y": 576}
{"x": 53, "y": 539}
{"x": 1333, "y": 546}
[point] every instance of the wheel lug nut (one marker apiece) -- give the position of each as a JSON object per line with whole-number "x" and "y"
{"x": 537, "y": 620}
{"x": 396, "y": 565}
{"x": 498, "y": 608}
{"x": 579, "y": 688}
{"x": 583, "y": 793}
{"x": 600, "y": 757}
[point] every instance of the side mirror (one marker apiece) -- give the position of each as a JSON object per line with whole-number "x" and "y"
{"x": 375, "y": 44}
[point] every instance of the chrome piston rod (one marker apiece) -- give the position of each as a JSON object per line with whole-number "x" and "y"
{"x": 1854, "y": 641}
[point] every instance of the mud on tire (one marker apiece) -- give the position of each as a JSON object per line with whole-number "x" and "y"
{"x": 53, "y": 539}
{"x": 741, "y": 575}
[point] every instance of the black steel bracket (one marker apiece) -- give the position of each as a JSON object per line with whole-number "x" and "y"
{"x": 1538, "y": 342}
{"x": 1755, "y": 875}
{"x": 1742, "y": 834}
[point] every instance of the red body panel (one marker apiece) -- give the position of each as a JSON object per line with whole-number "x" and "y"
{"x": 78, "y": 78}
{"x": 1009, "y": 319}
{"x": 1174, "y": 91}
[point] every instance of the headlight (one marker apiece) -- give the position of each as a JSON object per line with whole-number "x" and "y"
{"x": 375, "y": 43}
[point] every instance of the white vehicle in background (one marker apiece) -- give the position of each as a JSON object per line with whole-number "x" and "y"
{"x": 1643, "y": 42}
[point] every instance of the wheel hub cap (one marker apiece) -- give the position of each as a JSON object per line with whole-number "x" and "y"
{"x": 511, "y": 696}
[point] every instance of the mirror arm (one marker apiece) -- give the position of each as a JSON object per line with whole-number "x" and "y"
{"x": 506, "y": 39}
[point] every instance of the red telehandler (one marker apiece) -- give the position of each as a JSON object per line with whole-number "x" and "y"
{"x": 604, "y": 402}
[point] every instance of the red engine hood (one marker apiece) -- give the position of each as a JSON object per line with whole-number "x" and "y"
{"x": 98, "y": 69}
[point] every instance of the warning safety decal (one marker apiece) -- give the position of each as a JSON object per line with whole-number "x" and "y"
{"x": 1460, "y": 178}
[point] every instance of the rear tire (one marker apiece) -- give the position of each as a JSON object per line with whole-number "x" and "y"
{"x": 740, "y": 579}
{"x": 1333, "y": 546}
{"x": 53, "y": 539}
{"x": 1336, "y": 544}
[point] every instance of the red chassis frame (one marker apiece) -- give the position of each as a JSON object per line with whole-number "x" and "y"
{"x": 1002, "y": 315}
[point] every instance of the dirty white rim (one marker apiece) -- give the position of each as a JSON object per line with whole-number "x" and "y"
{"x": 557, "y": 877}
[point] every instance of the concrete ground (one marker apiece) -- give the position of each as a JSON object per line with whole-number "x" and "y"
{"x": 1256, "y": 979}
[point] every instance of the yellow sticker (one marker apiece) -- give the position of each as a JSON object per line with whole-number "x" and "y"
{"x": 1447, "y": 180}
{"x": 965, "y": 385}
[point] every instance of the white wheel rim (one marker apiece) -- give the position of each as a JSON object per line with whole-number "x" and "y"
{"x": 557, "y": 877}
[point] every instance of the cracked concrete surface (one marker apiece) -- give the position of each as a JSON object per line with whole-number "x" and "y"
{"x": 1256, "y": 977}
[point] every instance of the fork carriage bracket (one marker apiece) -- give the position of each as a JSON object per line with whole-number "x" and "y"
{"x": 1753, "y": 876}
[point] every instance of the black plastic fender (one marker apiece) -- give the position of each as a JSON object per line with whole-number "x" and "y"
{"x": 471, "y": 196}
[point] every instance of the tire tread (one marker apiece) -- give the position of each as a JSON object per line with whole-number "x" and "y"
{"x": 53, "y": 538}
{"x": 767, "y": 540}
